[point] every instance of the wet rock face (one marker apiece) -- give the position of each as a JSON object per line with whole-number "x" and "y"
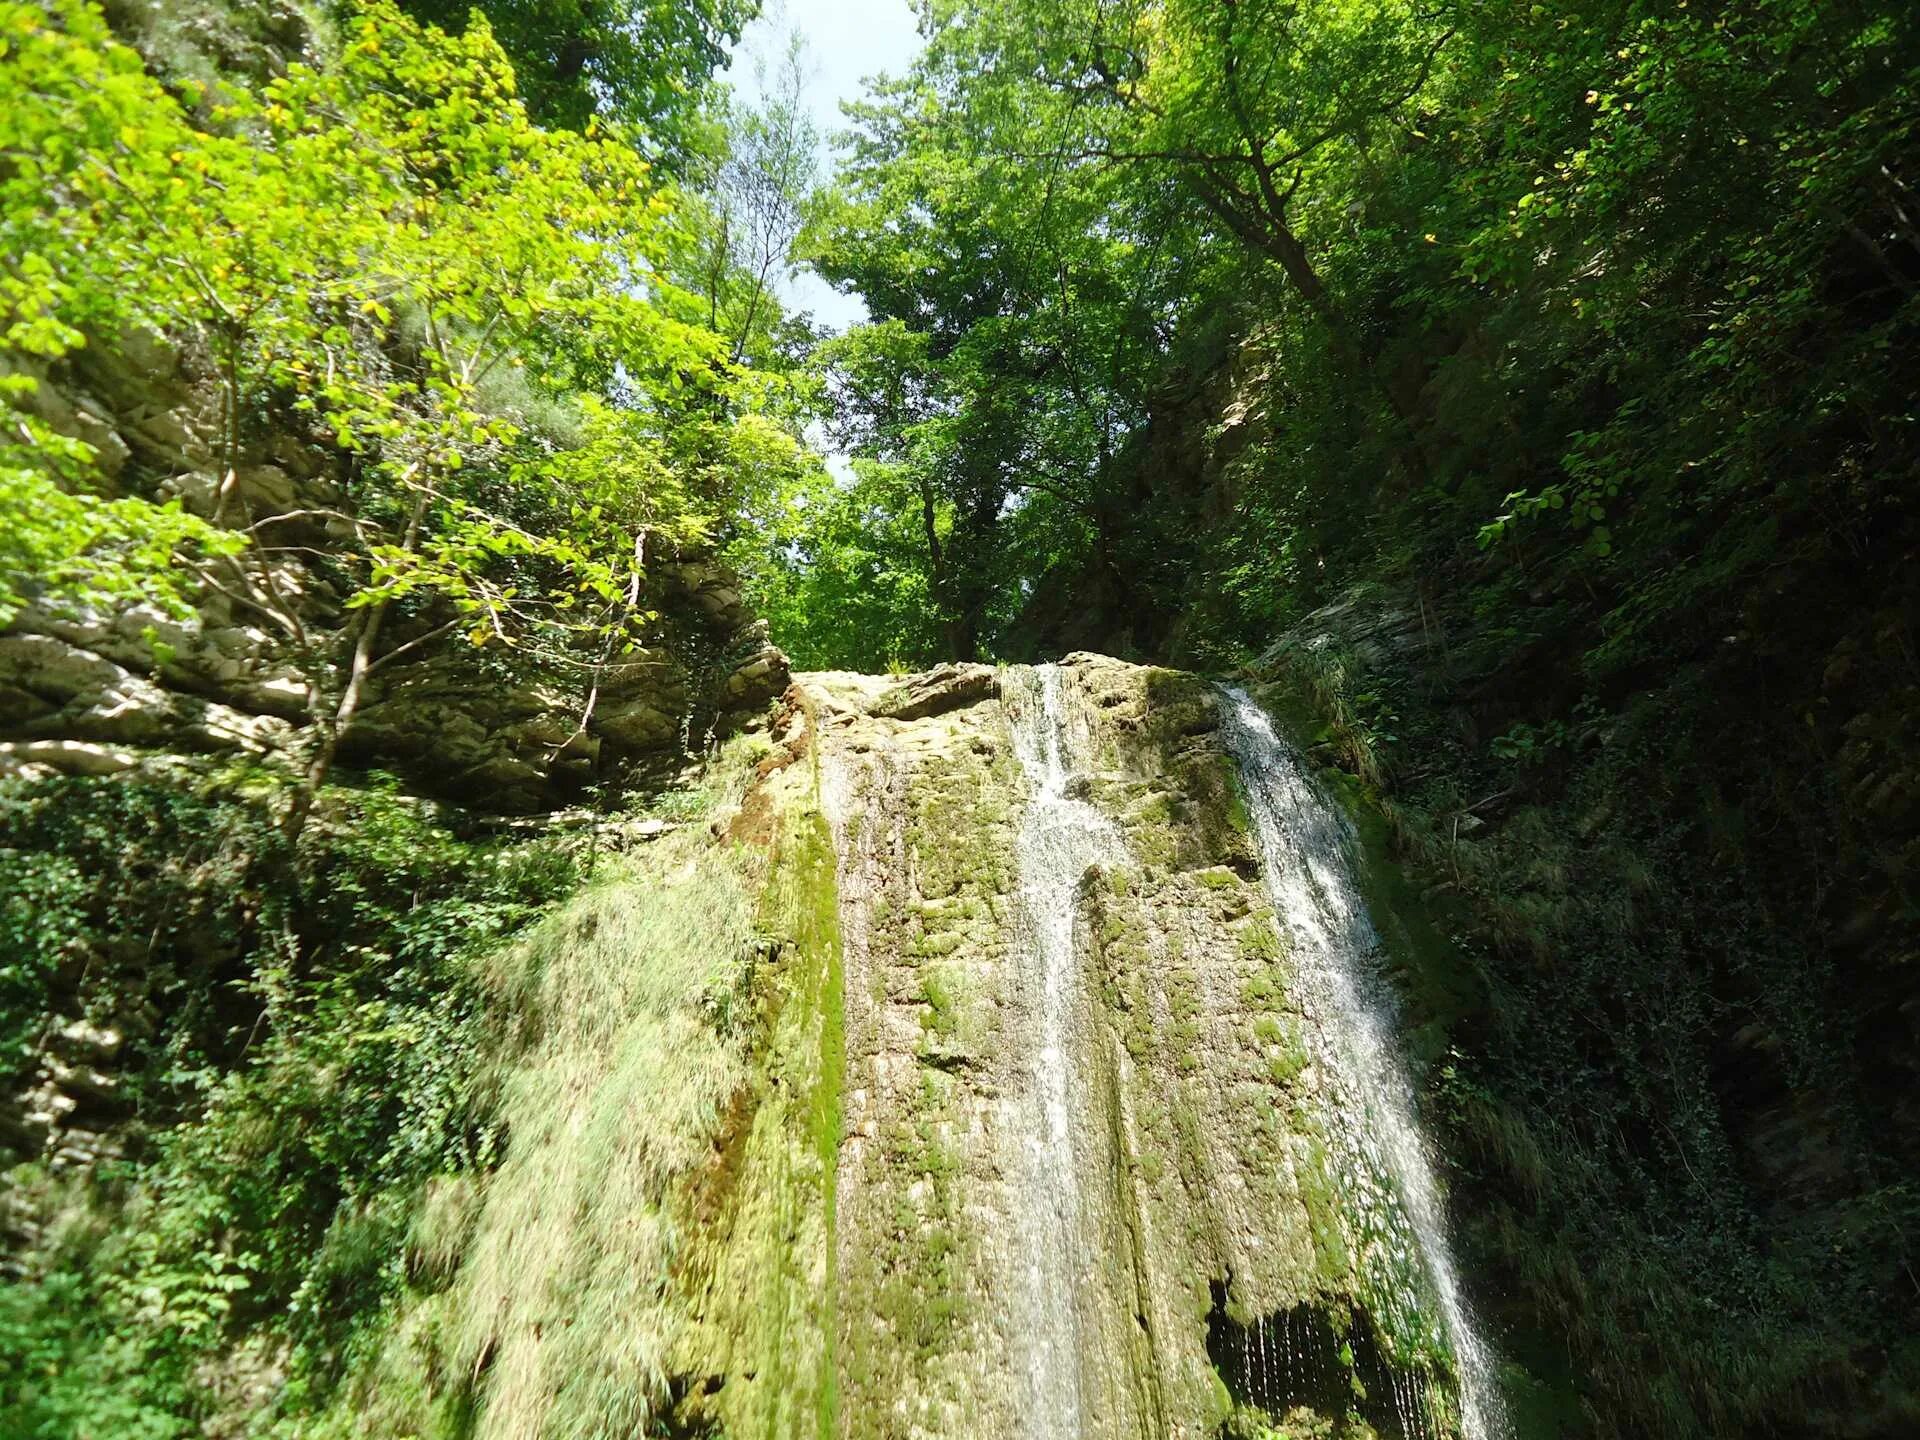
{"x": 81, "y": 693}
{"x": 1080, "y": 1154}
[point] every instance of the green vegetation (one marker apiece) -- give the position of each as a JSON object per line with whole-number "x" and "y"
{"x": 314, "y": 1052}
{"x": 1522, "y": 393}
{"x": 450, "y": 1176}
{"x": 618, "y": 1074}
{"x": 1474, "y": 278}
{"x": 300, "y": 1060}
{"x": 480, "y": 316}
{"x": 1541, "y": 378}
{"x": 645, "y": 62}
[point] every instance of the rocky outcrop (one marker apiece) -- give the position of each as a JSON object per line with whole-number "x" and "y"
{"x": 944, "y": 688}
{"x": 81, "y": 692}
{"x": 948, "y": 1071}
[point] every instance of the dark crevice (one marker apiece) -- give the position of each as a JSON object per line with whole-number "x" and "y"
{"x": 1330, "y": 1362}
{"x": 689, "y": 1412}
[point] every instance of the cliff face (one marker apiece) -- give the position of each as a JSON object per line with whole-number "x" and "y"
{"x": 958, "y": 1077}
{"x": 178, "y": 704}
{"x": 91, "y": 693}
{"x": 1085, "y": 1185}
{"x": 1681, "y": 1027}
{"x": 989, "y": 1052}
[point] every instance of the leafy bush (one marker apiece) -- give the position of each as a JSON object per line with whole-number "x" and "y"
{"x": 320, "y": 1046}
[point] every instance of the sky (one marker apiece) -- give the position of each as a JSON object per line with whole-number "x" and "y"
{"x": 847, "y": 40}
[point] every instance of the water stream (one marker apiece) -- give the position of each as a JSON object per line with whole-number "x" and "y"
{"x": 1060, "y": 837}
{"x": 1392, "y": 1211}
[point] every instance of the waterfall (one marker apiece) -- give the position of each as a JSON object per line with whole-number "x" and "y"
{"x": 1060, "y": 837}
{"x": 1391, "y": 1203}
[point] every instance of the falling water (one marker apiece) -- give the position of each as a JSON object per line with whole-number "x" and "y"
{"x": 1060, "y": 837}
{"x": 1393, "y": 1206}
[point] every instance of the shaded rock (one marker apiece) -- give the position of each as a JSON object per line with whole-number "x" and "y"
{"x": 504, "y": 731}
{"x": 69, "y": 757}
{"x": 706, "y": 588}
{"x": 636, "y": 724}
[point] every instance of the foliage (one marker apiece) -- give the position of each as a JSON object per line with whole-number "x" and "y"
{"x": 567, "y": 1284}
{"x": 376, "y": 242}
{"x": 1024, "y": 201}
{"x": 401, "y": 191}
{"x": 1575, "y": 347}
{"x": 376, "y": 251}
{"x": 58, "y": 536}
{"x": 1409, "y": 195}
{"x": 753, "y": 205}
{"x": 319, "y": 1042}
{"x": 1585, "y": 335}
{"x": 998, "y": 370}
{"x": 353, "y": 1208}
{"x": 642, "y": 61}
{"x": 91, "y": 868}
{"x": 841, "y": 575}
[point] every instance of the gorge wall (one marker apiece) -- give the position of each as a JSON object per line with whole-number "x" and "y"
{"x": 188, "y": 701}
{"x": 91, "y": 692}
{"x": 1050, "y": 1052}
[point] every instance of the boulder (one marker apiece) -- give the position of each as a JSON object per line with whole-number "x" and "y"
{"x": 936, "y": 691}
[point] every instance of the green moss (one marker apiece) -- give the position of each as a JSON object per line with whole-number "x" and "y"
{"x": 950, "y": 857}
{"x": 820, "y": 939}
{"x": 940, "y": 992}
{"x": 1333, "y": 1263}
{"x": 907, "y": 1282}
{"x": 1237, "y": 814}
{"x": 1260, "y": 940}
{"x": 761, "y": 1291}
{"x": 932, "y": 946}
{"x": 1284, "y": 1068}
{"x": 1263, "y": 991}
{"x": 1222, "y": 1400}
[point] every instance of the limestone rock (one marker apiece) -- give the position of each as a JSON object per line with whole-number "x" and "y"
{"x": 945, "y": 687}
{"x": 68, "y": 757}
{"x": 80, "y": 691}
{"x": 1187, "y": 1191}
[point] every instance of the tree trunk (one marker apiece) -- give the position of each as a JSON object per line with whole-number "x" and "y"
{"x": 320, "y": 765}
{"x": 335, "y": 727}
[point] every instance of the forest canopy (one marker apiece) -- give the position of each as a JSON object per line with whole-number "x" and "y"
{"x": 1526, "y": 289}
{"x": 1526, "y": 293}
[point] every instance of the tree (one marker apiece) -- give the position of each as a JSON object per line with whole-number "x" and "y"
{"x": 645, "y": 62}
{"x": 754, "y": 202}
{"x": 842, "y": 571}
{"x": 381, "y": 242}
{"x": 1035, "y": 279}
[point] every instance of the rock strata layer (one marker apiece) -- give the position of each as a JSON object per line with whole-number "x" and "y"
{"x": 87, "y": 692}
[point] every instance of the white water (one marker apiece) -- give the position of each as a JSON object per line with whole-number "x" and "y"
{"x": 1060, "y": 837}
{"x": 1393, "y": 1215}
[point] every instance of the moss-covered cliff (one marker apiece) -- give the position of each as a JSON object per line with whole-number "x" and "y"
{"x": 1195, "y": 1196}
{"x": 794, "y": 1121}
